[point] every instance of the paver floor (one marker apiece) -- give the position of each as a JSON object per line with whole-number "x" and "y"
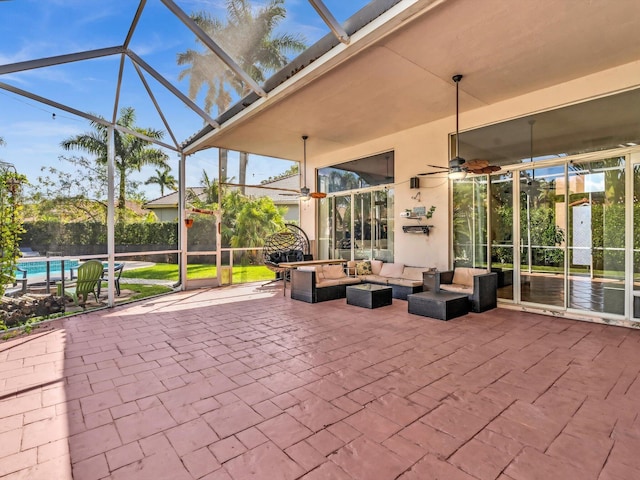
{"x": 242, "y": 383}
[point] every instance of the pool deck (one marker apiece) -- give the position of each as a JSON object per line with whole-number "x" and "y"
{"x": 242, "y": 383}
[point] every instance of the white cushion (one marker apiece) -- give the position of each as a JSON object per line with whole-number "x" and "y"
{"x": 317, "y": 269}
{"x": 376, "y": 265}
{"x": 405, "y": 282}
{"x": 375, "y": 279}
{"x": 392, "y": 270}
{"x": 456, "y": 288}
{"x": 333, "y": 271}
{"x": 413, "y": 273}
{"x": 464, "y": 275}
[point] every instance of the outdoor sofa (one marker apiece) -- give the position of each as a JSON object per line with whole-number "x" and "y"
{"x": 403, "y": 279}
{"x": 329, "y": 282}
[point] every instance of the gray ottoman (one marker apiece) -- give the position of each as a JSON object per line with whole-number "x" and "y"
{"x": 441, "y": 305}
{"x": 368, "y": 295}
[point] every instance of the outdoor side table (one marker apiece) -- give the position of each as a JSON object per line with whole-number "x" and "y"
{"x": 368, "y": 295}
{"x": 441, "y": 305}
{"x": 431, "y": 280}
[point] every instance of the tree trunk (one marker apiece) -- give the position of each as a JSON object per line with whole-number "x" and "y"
{"x": 244, "y": 161}
{"x": 222, "y": 159}
{"x": 121, "y": 195}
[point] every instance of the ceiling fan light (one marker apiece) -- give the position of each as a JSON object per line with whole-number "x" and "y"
{"x": 457, "y": 173}
{"x": 456, "y": 162}
{"x": 305, "y": 194}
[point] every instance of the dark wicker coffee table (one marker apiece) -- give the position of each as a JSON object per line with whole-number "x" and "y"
{"x": 368, "y": 295}
{"x": 441, "y": 305}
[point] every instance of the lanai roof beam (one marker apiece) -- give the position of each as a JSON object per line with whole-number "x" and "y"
{"x": 59, "y": 60}
{"x": 214, "y": 47}
{"x": 134, "y": 23}
{"x": 330, "y": 20}
{"x": 155, "y": 103}
{"x": 88, "y": 116}
{"x": 188, "y": 102}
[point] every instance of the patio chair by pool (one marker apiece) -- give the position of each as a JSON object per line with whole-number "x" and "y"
{"x": 28, "y": 252}
{"x": 89, "y": 274}
{"x": 20, "y": 277}
{"x": 117, "y": 273}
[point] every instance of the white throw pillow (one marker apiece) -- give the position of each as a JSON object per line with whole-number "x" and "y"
{"x": 376, "y": 265}
{"x": 392, "y": 270}
{"x": 413, "y": 273}
{"x": 333, "y": 271}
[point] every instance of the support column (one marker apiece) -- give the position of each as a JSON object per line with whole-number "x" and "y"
{"x": 111, "y": 223}
{"x": 182, "y": 227}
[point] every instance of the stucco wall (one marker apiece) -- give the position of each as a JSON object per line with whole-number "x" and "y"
{"x": 428, "y": 144}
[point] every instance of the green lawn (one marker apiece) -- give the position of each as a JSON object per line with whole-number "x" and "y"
{"x": 143, "y": 291}
{"x": 166, "y": 271}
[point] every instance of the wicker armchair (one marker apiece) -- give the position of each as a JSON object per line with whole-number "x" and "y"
{"x": 289, "y": 245}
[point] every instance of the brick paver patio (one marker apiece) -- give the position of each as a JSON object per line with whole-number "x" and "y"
{"x": 239, "y": 383}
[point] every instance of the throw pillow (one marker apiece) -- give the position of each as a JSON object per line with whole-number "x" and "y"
{"x": 363, "y": 268}
{"x": 332, "y": 272}
{"x": 392, "y": 270}
{"x": 376, "y": 266}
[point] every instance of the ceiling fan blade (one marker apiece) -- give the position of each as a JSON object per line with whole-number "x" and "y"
{"x": 484, "y": 170}
{"x": 317, "y": 195}
{"x": 445, "y": 171}
{"x": 437, "y": 166}
{"x": 477, "y": 163}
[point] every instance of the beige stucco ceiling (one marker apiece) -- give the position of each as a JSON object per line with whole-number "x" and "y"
{"x": 402, "y": 79}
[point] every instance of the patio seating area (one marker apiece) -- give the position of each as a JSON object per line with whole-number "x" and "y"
{"x": 241, "y": 382}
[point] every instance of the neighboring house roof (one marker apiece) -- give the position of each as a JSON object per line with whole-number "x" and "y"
{"x": 279, "y": 197}
{"x": 171, "y": 200}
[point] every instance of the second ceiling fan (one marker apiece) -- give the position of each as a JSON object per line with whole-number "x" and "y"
{"x": 458, "y": 166}
{"x": 305, "y": 192}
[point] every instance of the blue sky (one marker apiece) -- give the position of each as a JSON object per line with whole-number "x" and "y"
{"x": 35, "y": 29}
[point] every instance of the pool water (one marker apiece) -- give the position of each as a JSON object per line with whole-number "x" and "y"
{"x": 40, "y": 267}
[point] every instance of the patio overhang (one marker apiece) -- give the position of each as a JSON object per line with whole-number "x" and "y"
{"x": 395, "y": 72}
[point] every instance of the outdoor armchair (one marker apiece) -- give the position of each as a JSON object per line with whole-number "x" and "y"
{"x": 89, "y": 275}
{"x": 480, "y": 286}
{"x": 21, "y": 277}
{"x": 117, "y": 273}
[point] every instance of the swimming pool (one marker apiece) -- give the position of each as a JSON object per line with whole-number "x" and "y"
{"x": 40, "y": 267}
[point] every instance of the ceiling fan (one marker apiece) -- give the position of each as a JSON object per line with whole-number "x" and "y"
{"x": 305, "y": 193}
{"x": 458, "y": 166}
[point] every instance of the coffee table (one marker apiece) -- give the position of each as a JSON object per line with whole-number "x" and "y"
{"x": 368, "y": 295}
{"x": 441, "y": 305}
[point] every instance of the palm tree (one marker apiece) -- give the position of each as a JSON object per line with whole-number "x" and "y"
{"x": 131, "y": 152}
{"x": 247, "y": 35}
{"x": 163, "y": 178}
{"x": 2, "y": 142}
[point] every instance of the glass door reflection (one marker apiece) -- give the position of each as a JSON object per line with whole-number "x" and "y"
{"x": 542, "y": 236}
{"x": 596, "y": 233}
{"x": 501, "y": 208}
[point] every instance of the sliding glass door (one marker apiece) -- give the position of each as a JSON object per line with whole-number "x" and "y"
{"x": 596, "y": 235}
{"x": 501, "y": 232}
{"x": 357, "y": 225}
{"x": 543, "y": 227}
